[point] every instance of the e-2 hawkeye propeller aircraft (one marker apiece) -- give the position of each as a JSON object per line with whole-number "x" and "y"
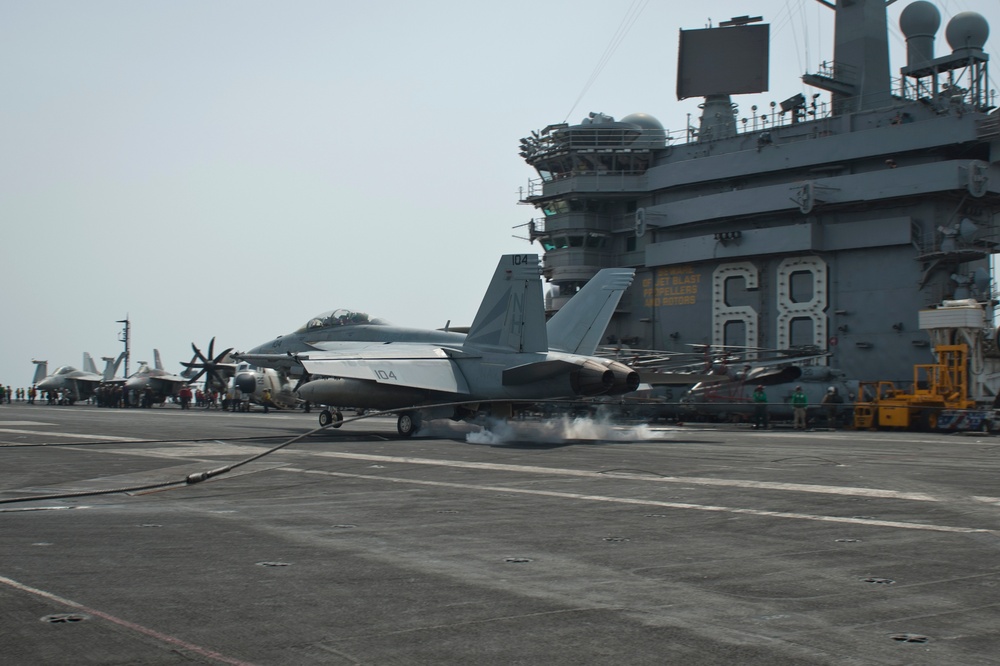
{"x": 505, "y": 358}
{"x": 80, "y": 384}
{"x": 262, "y": 386}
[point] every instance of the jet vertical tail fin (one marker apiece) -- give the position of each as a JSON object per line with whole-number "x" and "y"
{"x": 512, "y": 314}
{"x": 111, "y": 366}
{"x": 41, "y": 371}
{"x": 156, "y": 360}
{"x": 578, "y": 326}
{"x": 88, "y": 364}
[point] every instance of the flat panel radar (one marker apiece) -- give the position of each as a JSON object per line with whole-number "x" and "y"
{"x": 723, "y": 61}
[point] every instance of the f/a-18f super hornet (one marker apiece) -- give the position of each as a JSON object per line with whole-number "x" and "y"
{"x": 79, "y": 384}
{"x": 505, "y": 358}
{"x": 576, "y": 328}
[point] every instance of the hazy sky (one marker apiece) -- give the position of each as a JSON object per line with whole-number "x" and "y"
{"x": 231, "y": 168}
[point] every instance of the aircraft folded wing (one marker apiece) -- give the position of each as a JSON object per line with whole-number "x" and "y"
{"x": 654, "y": 378}
{"x": 428, "y": 368}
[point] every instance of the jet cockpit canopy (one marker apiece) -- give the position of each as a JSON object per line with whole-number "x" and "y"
{"x": 341, "y": 317}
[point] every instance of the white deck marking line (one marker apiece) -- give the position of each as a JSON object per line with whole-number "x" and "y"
{"x": 692, "y": 480}
{"x": 175, "y": 451}
{"x": 71, "y": 435}
{"x": 145, "y": 631}
{"x": 669, "y": 505}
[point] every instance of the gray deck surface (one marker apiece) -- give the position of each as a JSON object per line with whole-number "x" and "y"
{"x": 670, "y": 545}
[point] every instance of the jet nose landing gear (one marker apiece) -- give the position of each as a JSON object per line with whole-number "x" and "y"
{"x": 327, "y": 417}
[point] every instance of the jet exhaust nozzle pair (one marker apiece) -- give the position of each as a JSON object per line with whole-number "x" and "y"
{"x": 612, "y": 378}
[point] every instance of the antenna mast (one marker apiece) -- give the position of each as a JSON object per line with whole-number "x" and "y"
{"x": 126, "y": 337}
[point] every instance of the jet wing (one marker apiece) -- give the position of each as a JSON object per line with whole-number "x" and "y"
{"x": 267, "y": 360}
{"x": 413, "y": 366}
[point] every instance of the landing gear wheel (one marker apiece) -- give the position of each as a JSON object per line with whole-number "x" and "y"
{"x": 326, "y": 417}
{"x": 407, "y": 424}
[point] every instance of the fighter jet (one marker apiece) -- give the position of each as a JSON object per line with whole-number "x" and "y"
{"x": 161, "y": 384}
{"x": 79, "y": 384}
{"x": 577, "y": 327}
{"x": 504, "y": 359}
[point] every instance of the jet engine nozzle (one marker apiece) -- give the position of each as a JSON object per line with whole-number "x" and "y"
{"x": 246, "y": 382}
{"x": 592, "y": 378}
{"x": 626, "y": 379}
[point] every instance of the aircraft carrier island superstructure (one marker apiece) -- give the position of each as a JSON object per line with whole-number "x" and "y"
{"x": 822, "y": 222}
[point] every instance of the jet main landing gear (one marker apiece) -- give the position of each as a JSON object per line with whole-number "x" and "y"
{"x": 326, "y": 417}
{"x": 407, "y": 423}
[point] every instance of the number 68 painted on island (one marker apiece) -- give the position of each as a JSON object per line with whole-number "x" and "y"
{"x": 788, "y": 309}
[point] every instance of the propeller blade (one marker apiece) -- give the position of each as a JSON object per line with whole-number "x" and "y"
{"x": 220, "y": 357}
{"x": 198, "y": 354}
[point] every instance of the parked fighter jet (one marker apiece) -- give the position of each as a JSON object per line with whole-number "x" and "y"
{"x": 161, "y": 384}
{"x": 505, "y": 358}
{"x": 80, "y": 384}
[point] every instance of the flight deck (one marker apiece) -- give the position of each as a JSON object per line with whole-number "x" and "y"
{"x": 541, "y": 543}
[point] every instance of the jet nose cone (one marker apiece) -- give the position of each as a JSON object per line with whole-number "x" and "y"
{"x": 269, "y": 347}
